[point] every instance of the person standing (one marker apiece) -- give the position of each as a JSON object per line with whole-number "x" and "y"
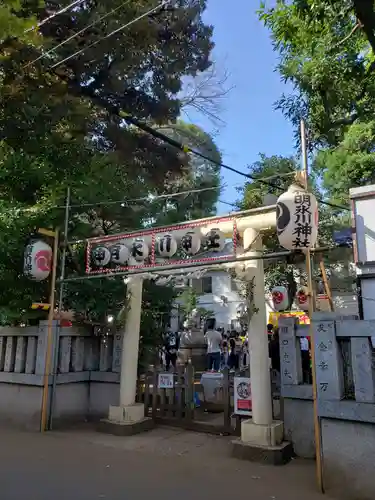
{"x": 171, "y": 348}
{"x": 214, "y": 341}
{"x": 235, "y": 351}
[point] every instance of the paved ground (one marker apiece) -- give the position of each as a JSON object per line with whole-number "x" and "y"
{"x": 165, "y": 464}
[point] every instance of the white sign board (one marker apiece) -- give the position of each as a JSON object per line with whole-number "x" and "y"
{"x": 165, "y": 381}
{"x": 242, "y": 396}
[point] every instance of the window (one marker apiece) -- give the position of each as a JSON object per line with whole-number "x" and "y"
{"x": 235, "y": 285}
{"x": 207, "y": 284}
{"x": 202, "y": 285}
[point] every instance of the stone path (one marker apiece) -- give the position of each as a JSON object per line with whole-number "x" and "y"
{"x": 165, "y": 463}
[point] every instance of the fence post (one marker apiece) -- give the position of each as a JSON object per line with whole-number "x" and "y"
{"x": 329, "y": 369}
{"x": 146, "y": 400}
{"x": 155, "y": 393}
{"x": 179, "y": 392}
{"x": 290, "y": 353}
{"x": 189, "y": 392}
{"x": 226, "y": 400}
{"x": 363, "y": 370}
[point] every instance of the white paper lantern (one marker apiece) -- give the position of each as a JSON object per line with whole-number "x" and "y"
{"x": 280, "y": 298}
{"x": 167, "y": 246}
{"x": 101, "y": 256}
{"x": 120, "y": 254}
{"x": 302, "y": 299}
{"x": 297, "y": 219}
{"x": 191, "y": 243}
{"x": 139, "y": 250}
{"x": 37, "y": 260}
{"x": 214, "y": 240}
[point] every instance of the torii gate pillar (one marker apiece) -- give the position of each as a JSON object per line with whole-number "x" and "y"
{"x": 261, "y": 436}
{"x": 128, "y": 417}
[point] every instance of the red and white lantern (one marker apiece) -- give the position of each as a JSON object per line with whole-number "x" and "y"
{"x": 302, "y": 299}
{"x": 37, "y": 260}
{"x": 280, "y": 298}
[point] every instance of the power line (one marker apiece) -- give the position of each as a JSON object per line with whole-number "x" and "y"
{"x": 150, "y": 198}
{"x": 94, "y": 23}
{"x": 121, "y": 28}
{"x": 155, "y": 133}
{"x": 61, "y": 11}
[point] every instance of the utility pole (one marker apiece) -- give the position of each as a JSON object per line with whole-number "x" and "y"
{"x": 317, "y": 428}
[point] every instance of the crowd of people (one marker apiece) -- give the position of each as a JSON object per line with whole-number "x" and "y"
{"x": 224, "y": 349}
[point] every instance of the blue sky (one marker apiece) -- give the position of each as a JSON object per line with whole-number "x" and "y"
{"x": 244, "y": 49}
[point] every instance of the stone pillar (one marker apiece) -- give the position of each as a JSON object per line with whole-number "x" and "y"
{"x": 128, "y": 417}
{"x": 130, "y": 344}
{"x": 261, "y": 436}
{"x": 257, "y": 336}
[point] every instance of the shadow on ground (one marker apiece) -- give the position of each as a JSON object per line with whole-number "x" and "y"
{"x": 166, "y": 463}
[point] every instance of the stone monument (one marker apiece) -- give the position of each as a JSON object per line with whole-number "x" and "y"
{"x": 193, "y": 344}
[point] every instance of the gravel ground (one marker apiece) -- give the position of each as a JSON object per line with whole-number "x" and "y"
{"x": 165, "y": 463}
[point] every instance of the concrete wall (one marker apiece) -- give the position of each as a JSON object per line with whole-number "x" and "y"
{"x": 349, "y": 451}
{"x": 87, "y": 379}
{"x": 347, "y": 419}
{"x": 299, "y": 426}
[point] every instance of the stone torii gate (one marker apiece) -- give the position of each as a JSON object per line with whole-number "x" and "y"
{"x": 260, "y": 431}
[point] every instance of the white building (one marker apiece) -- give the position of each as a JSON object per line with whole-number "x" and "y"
{"x": 218, "y": 292}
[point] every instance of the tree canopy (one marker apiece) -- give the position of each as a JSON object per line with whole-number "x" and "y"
{"x": 326, "y": 53}
{"x": 66, "y": 126}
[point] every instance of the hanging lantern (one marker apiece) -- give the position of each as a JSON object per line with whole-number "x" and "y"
{"x": 302, "y": 299}
{"x": 215, "y": 240}
{"x": 167, "y": 246}
{"x": 191, "y": 243}
{"x": 101, "y": 256}
{"x": 280, "y": 298}
{"x": 120, "y": 254}
{"x": 37, "y": 260}
{"x": 297, "y": 219}
{"x": 139, "y": 250}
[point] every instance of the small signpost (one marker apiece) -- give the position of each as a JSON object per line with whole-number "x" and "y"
{"x": 242, "y": 396}
{"x": 165, "y": 381}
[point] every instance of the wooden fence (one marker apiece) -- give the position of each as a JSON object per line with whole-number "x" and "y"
{"x": 184, "y": 405}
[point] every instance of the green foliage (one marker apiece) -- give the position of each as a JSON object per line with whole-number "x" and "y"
{"x": 157, "y": 302}
{"x": 189, "y": 301}
{"x": 326, "y": 52}
{"x": 61, "y": 128}
{"x": 285, "y": 271}
{"x": 350, "y": 164}
{"x": 326, "y": 57}
{"x": 279, "y": 273}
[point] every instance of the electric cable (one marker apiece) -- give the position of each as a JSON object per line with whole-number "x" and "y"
{"x": 94, "y": 23}
{"x": 61, "y": 11}
{"x": 121, "y": 28}
{"x": 155, "y": 133}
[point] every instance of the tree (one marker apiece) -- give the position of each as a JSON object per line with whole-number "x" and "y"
{"x": 201, "y": 174}
{"x": 63, "y": 127}
{"x": 350, "y": 164}
{"x": 14, "y": 22}
{"x": 326, "y": 52}
{"x": 276, "y": 273}
{"x": 189, "y": 300}
{"x": 326, "y": 55}
{"x": 288, "y": 271}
